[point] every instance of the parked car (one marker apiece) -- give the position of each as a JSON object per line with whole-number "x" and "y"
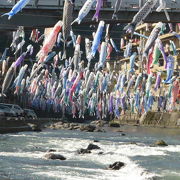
{"x": 16, "y": 108}
{"x": 2, "y": 114}
{"x": 7, "y": 111}
{"x": 29, "y": 113}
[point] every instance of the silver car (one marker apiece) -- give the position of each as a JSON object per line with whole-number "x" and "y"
{"x": 8, "y": 112}
{"x": 16, "y": 108}
{"x": 29, "y": 113}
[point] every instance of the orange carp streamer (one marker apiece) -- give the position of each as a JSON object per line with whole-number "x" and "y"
{"x": 49, "y": 42}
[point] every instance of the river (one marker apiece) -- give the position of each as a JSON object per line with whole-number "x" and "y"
{"x": 21, "y": 155}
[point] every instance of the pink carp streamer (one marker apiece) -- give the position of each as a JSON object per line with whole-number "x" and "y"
{"x": 49, "y": 42}
{"x": 109, "y": 50}
{"x": 78, "y": 78}
{"x": 150, "y": 60}
{"x": 78, "y": 40}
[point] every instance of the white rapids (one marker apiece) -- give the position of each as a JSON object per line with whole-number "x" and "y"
{"x": 23, "y": 157}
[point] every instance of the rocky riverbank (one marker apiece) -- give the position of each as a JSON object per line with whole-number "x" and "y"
{"x": 13, "y": 125}
{"x": 151, "y": 119}
{"x": 94, "y": 126}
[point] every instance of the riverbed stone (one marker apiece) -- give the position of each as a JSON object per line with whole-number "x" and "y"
{"x": 58, "y": 125}
{"x": 123, "y": 134}
{"x": 98, "y": 130}
{"x": 93, "y": 146}
{"x": 82, "y": 127}
{"x": 87, "y": 128}
{"x": 100, "y": 153}
{"x": 66, "y": 125}
{"x": 54, "y": 156}
{"x": 160, "y": 143}
{"x": 83, "y": 151}
{"x": 76, "y": 127}
{"x": 95, "y": 140}
{"x": 35, "y": 128}
{"x": 70, "y": 128}
{"x": 114, "y": 124}
{"x": 72, "y": 125}
{"x": 134, "y": 143}
{"x": 99, "y": 123}
{"x": 51, "y": 150}
{"x": 116, "y": 166}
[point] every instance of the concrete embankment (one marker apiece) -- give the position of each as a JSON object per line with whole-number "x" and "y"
{"x": 152, "y": 119}
{"x": 13, "y": 125}
{"x": 162, "y": 119}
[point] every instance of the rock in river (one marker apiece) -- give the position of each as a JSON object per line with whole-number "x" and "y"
{"x": 92, "y": 146}
{"x": 116, "y": 166}
{"x": 54, "y": 156}
{"x": 95, "y": 140}
{"x": 160, "y": 143}
{"x": 88, "y": 128}
{"x": 35, "y": 127}
{"x": 114, "y": 124}
{"x": 83, "y": 151}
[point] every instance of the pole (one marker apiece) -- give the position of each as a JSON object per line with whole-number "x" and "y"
{"x": 140, "y": 3}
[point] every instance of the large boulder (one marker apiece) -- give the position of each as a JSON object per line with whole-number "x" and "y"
{"x": 66, "y": 125}
{"x": 92, "y": 146}
{"x": 100, "y": 153}
{"x": 35, "y": 127}
{"x": 98, "y": 130}
{"x": 114, "y": 124}
{"x": 123, "y": 134}
{"x": 72, "y": 125}
{"x": 83, "y": 151}
{"x": 95, "y": 140}
{"x": 54, "y": 156}
{"x": 88, "y": 128}
{"x": 58, "y": 125}
{"x": 99, "y": 123}
{"x": 160, "y": 143}
{"x": 116, "y": 166}
{"x": 88, "y": 149}
{"x": 76, "y": 127}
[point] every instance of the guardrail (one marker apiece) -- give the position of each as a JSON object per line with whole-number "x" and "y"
{"x": 129, "y": 5}
{"x": 29, "y": 119}
{"x": 48, "y": 12}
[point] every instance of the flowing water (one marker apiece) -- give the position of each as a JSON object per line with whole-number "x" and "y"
{"x": 21, "y": 155}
